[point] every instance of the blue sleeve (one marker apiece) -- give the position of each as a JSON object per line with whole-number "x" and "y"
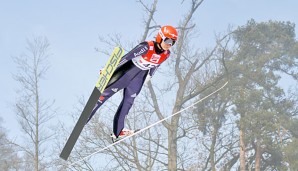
{"x": 140, "y": 49}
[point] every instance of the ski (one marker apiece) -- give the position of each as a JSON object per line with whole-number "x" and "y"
{"x": 100, "y": 85}
{"x": 152, "y": 125}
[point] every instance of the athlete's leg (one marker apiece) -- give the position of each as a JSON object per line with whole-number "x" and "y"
{"x": 104, "y": 96}
{"x": 129, "y": 94}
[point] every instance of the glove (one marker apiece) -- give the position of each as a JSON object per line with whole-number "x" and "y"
{"x": 100, "y": 71}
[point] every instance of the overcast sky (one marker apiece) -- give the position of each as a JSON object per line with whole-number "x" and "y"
{"x": 72, "y": 28}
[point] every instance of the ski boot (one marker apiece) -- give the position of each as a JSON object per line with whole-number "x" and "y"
{"x": 124, "y": 133}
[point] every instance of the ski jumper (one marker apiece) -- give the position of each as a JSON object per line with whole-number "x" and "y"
{"x": 130, "y": 75}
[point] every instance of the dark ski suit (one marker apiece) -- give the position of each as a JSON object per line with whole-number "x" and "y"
{"x": 130, "y": 75}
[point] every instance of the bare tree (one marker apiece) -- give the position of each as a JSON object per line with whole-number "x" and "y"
{"x": 32, "y": 111}
{"x": 194, "y": 73}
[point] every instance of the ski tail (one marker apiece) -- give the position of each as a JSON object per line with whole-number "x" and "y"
{"x": 80, "y": 124}
{"x": 101, "y": 84}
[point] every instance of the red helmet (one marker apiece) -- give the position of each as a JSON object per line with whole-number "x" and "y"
{"x": 167, "y": 32}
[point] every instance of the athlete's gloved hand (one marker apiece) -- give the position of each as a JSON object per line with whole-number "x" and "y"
{"x": 100, "y": 71}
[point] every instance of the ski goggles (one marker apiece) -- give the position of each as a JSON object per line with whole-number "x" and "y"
{"x": 169, "y": 41}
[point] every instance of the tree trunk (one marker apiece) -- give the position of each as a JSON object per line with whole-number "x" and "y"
{"x": 37, "y": 112}
{"x": 172, "y": 150}
{"x": 212, "y": 149}
{"x": 258, "y": 156}
{"x": 242, "y": 149}
{"x": 37, "y": 123}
